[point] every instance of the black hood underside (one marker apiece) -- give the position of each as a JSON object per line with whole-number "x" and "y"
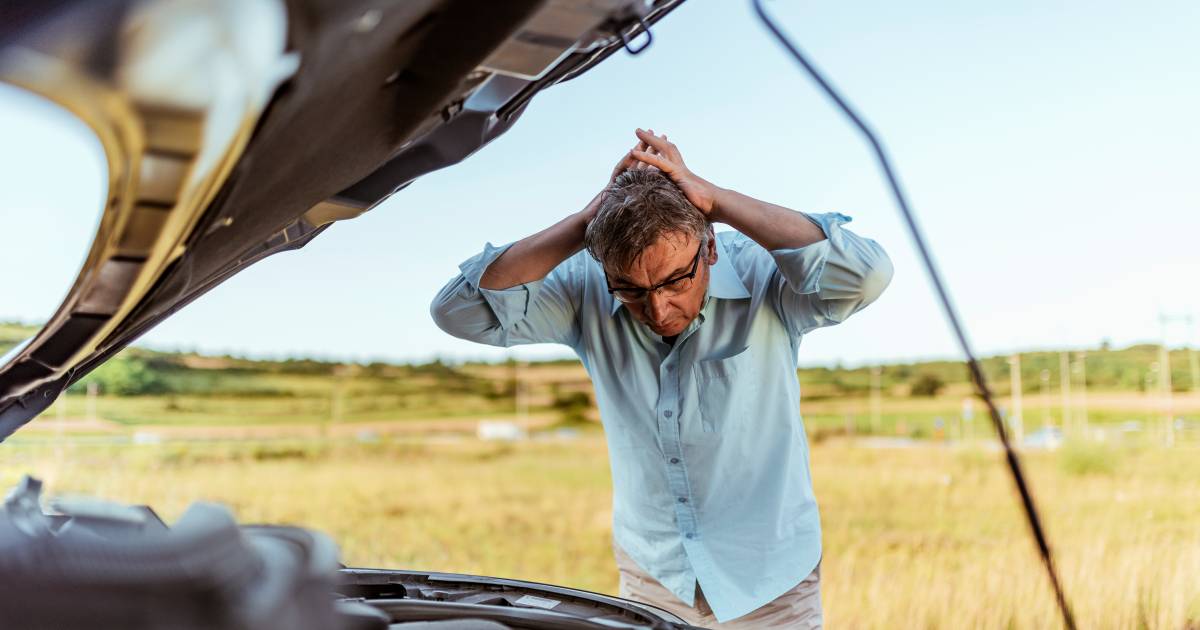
{"x": 375, "y": 95}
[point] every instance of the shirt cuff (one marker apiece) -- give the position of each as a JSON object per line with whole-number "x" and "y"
{"x": 802, "y": 266}
{"x": 510, "y": 305}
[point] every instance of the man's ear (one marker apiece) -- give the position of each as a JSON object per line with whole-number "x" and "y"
{"x": 710, "y": 256}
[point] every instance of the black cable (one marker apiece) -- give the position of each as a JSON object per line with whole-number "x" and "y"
{"x": 977, "y": 376}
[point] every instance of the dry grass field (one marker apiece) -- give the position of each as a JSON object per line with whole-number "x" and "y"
{"x": 922, "y": 537}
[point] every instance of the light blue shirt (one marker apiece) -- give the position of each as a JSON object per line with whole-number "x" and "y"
{"x": 708, "y": 452}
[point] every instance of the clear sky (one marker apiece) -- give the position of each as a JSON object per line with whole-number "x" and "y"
{"x": 1050, "y": 151}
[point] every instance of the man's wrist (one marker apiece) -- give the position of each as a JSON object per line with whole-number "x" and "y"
{"x": 589, "y": 211}
{"x": 582, "y": 218}
{"x": 722, "y": 199}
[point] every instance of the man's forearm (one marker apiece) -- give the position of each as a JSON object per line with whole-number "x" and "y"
{"x": 535, "y": 256}
{"x": 773, "y": 227}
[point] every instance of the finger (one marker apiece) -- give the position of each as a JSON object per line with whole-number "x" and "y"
{"x": 628, "y": 162}
{"x": 651, "y": 151}
{"x": 641, "y": 146}
{"x": 672, "y": 150}
{"x": 649, "y": 138}
{"x": 625, "y": 164}
{"x": 668, "y": 150}
{"x": 656, "y": 161}
{"x": 637, "y": 165}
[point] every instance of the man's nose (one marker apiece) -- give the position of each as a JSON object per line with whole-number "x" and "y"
{"x": 656, "y": 306}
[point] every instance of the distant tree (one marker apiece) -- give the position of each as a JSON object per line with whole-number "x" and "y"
{"x": 126, "y": 377}
{"x": 572, "y": 406}
{"x": 927, "y": 384}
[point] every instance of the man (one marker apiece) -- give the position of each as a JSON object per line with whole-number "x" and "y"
{"x": 691, "y": 341}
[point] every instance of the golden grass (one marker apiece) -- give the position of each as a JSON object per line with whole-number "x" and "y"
{"x": 926, "y": 537}
{"x": 933, "y": 538}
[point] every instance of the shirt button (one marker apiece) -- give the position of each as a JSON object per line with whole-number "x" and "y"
{"x": 670, "y": 368}
{"x": 668, "y": 413}
{"x": 683, "y": 499}
{"x": 674, "y": 460}
{"x": 689, "y": 536}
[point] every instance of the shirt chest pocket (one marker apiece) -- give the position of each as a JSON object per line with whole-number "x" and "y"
{"x": 726, "y": 389}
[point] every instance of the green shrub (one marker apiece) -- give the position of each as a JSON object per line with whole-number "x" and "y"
{"x": 927, "y": 384}
{"x": 125, "y": 376}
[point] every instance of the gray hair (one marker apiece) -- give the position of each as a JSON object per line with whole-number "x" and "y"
{"x": 638, "y": 208}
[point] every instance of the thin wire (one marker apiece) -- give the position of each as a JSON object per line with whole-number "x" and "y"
{"x": 977, "y": 376}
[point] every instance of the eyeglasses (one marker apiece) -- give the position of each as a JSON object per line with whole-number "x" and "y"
{"x": 670, "y": 287}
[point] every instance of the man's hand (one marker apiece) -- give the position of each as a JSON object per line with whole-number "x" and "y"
{"x": 660, "y": 153}
{"x": 627, "y": 162}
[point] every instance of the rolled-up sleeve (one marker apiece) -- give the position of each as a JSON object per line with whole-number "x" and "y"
{"x": 824, "y": 283}
{"x": 542, "y": 311}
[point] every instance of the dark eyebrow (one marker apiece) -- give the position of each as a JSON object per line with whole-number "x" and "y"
{"x": 680, "y": 271}
{"x": 629, "y": 283}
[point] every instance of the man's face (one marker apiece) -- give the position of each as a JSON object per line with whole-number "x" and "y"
{"x": 669, "y": 257}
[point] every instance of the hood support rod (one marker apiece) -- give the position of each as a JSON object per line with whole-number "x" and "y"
{"x": 977, "y": 376}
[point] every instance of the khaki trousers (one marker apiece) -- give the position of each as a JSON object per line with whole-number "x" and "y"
{"x": 798, "y": 608}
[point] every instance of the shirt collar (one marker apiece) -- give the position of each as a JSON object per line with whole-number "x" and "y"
{"x": 723, "y": 281}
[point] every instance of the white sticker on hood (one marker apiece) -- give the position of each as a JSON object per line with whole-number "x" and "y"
{"x": 537, "y": 602}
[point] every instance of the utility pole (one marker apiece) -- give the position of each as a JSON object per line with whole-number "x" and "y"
{"x": 1194, "y": 365}
{"x": 1194, "y": 368}
{"x": 1081, "y": 362}
{"x": 876, "y": 399}
{"x": 1045, "y": 398}
{"x": 92, "y": 391}
{"x": 1064, "y": 379}
{"x": 1164, "y": 366}
{"x": 1164, "y": 380}
{"x": 337, "y": 400}
{"x": 336, "y": 404}
{"x": 1014, "y": 375}
{"x": 521, "y": 397}
{"x": 1193, "y": 358}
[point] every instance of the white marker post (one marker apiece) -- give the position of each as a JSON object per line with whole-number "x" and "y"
{"x": 1014, "y": 377}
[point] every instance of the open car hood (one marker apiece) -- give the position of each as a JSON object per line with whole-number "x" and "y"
{"x": 237, "y": 129}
